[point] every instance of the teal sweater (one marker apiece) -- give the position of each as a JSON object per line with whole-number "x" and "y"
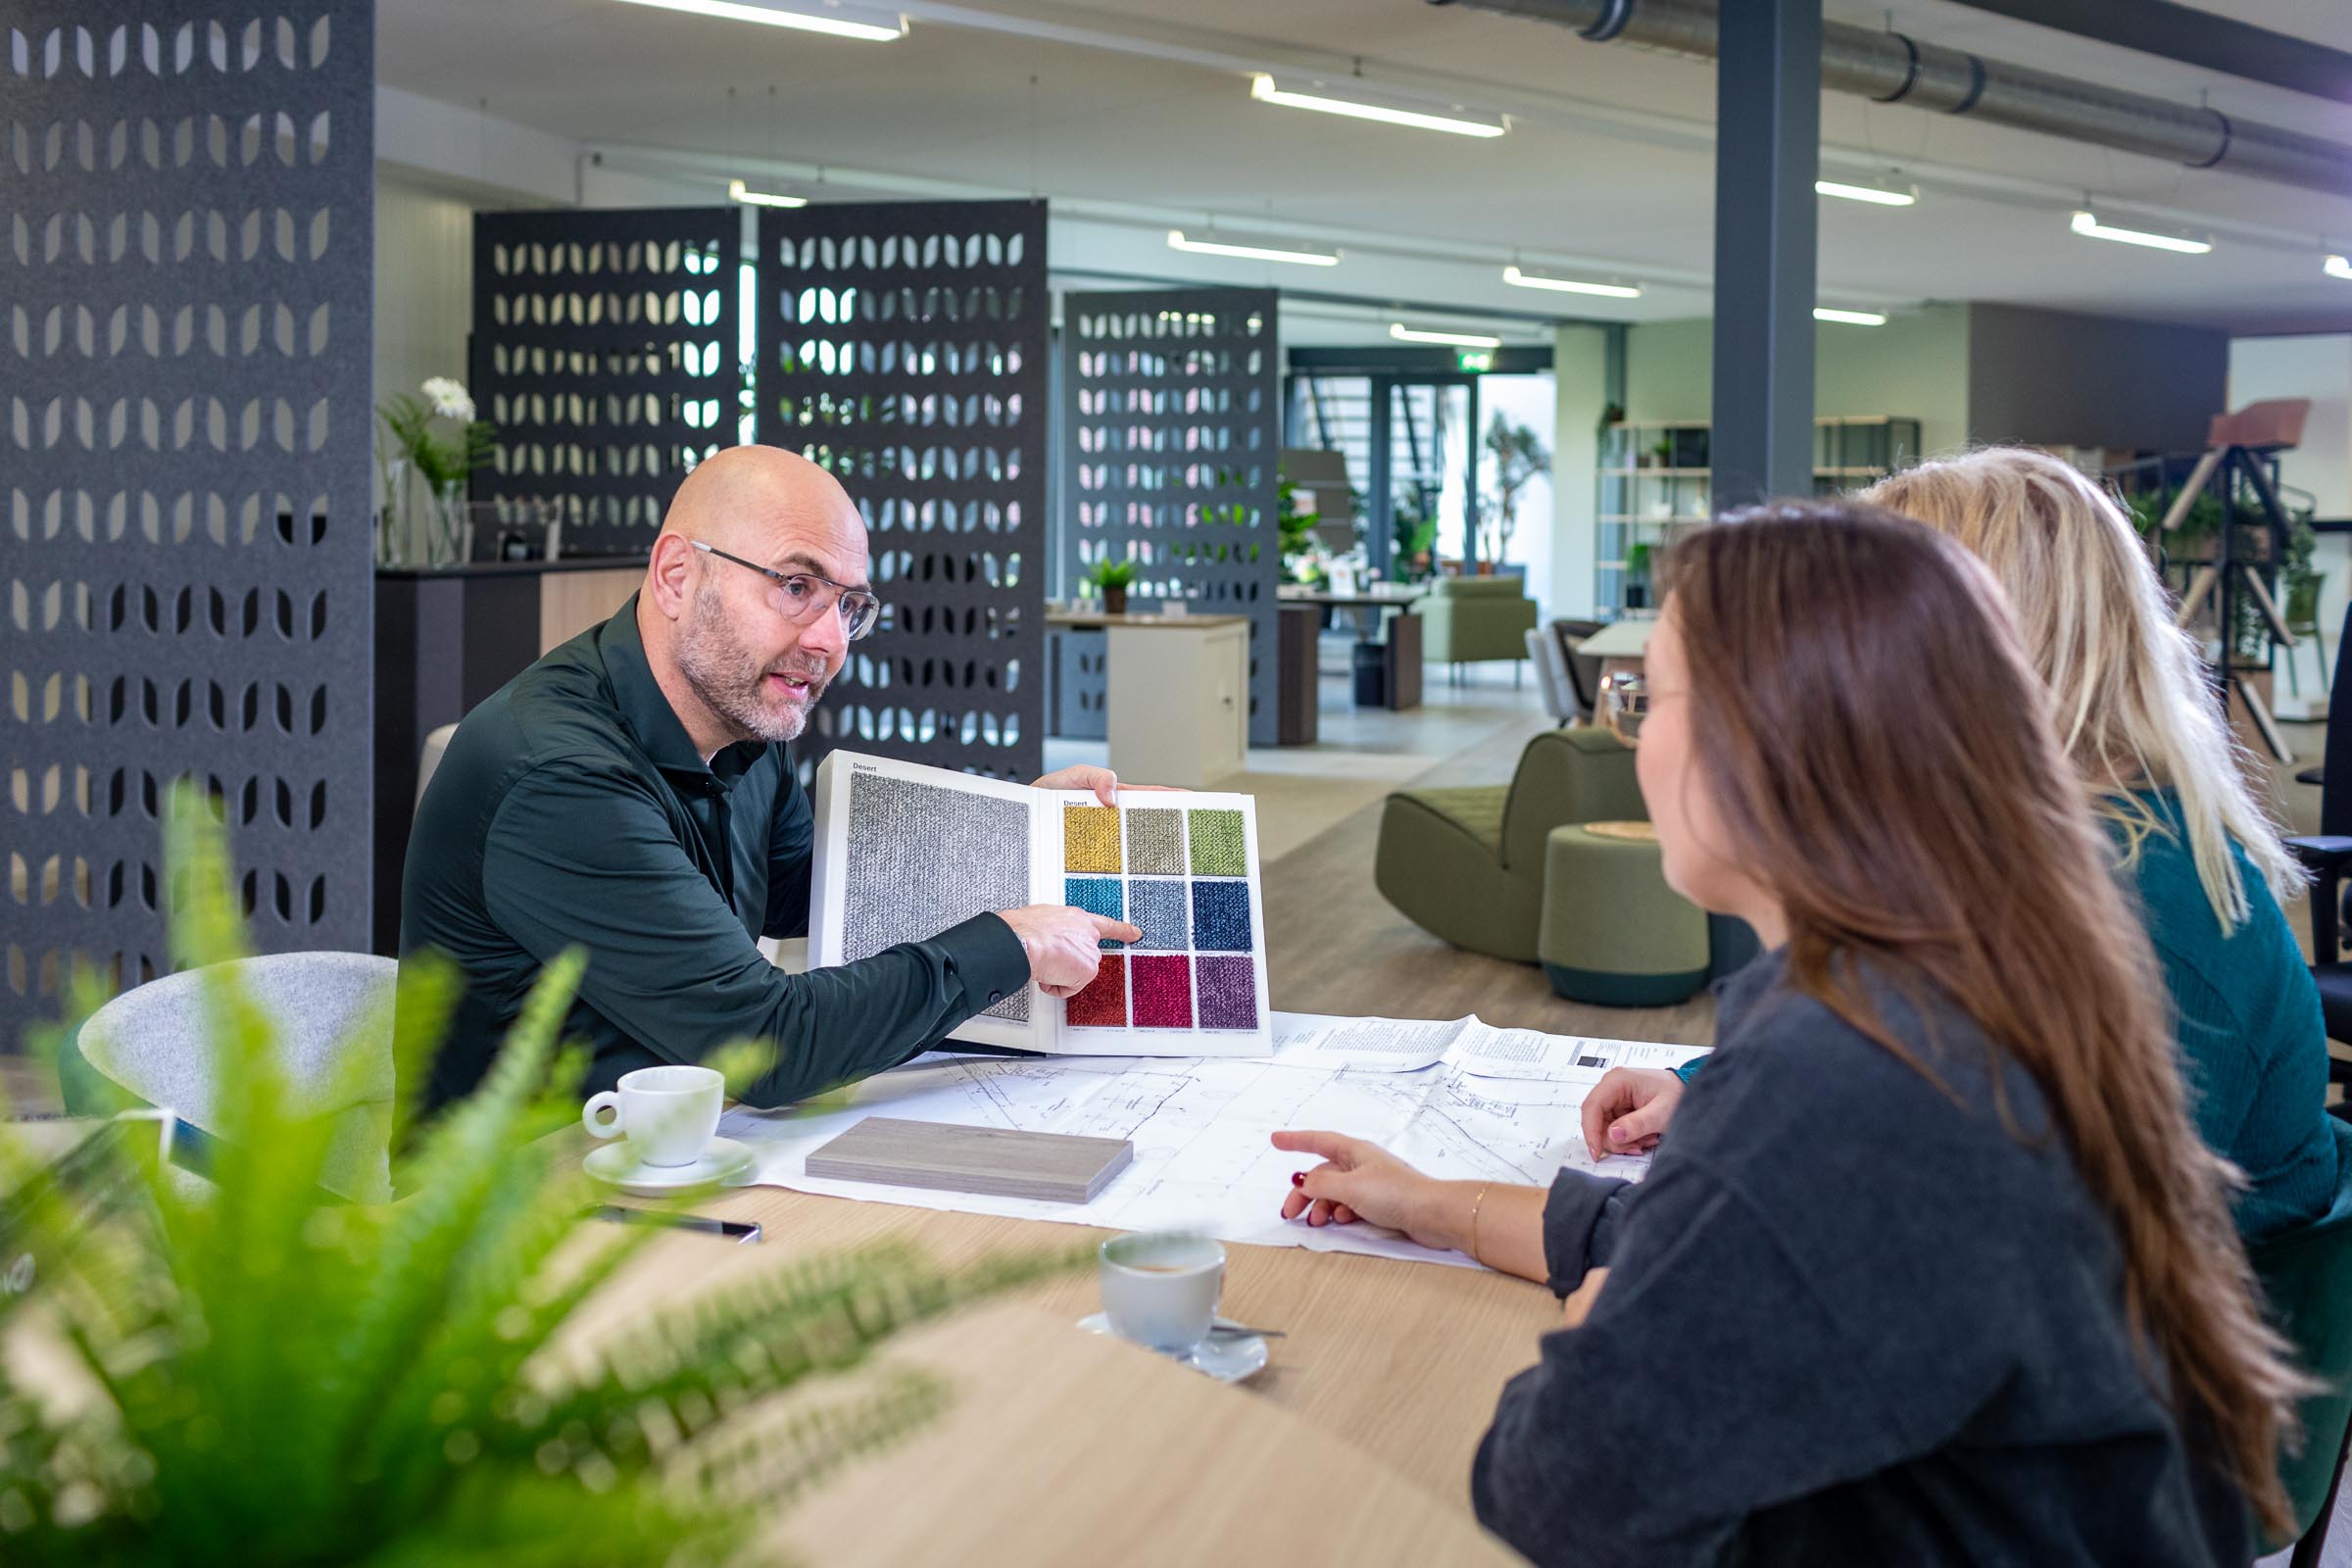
{"x": 2247, "y": 1016}
{"x": 2251, "y": 1035}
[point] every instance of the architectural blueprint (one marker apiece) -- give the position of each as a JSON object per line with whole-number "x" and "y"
{"x": 1428, "y": 1092}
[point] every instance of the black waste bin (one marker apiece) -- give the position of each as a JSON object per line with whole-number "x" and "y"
{"x": 1371, "y": 676}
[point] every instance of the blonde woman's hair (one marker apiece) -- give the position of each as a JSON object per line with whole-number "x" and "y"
{"x": 2132, "y": 708}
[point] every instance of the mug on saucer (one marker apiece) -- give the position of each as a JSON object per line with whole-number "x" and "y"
{"x": 668, "y": 1113}
{"x": 1159, "y": 1287}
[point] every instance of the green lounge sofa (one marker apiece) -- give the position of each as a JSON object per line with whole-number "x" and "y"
{"x": 1467, "y": 864}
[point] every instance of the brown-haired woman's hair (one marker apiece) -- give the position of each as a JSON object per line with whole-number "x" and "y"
{"x": 1885, "y": 761}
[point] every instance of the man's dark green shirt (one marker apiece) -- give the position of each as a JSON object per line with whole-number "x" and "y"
{"x": 572, "y": 809}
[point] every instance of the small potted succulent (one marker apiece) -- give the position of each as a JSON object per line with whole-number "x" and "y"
{"x": 1113, "y": 578}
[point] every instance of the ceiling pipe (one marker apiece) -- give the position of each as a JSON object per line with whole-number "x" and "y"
{"x": 1892, "y": 68}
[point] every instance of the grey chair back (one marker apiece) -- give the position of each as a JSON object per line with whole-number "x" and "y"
{"x": 1542, "y": 652}
{"x": 1582, "y": 671}
{"x": 436, "y": 745}
{"x": 332, "y": 1013}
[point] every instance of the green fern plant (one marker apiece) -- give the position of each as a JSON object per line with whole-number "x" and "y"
{"x": 243, "y": 1373}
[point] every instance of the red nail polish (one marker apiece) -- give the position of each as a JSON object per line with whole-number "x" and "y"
{"x": 1297, "y": 1178}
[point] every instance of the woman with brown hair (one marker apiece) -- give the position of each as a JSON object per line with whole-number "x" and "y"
{"x": 1933, "y": 1267}
{"x": 2203, "y": 862}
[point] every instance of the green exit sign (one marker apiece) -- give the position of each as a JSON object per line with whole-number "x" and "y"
{"x": 1473, "y": 362}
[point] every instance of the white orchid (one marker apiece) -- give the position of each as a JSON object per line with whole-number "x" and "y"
{"x": 449, "y": 398}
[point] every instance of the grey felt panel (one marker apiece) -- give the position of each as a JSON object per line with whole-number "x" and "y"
{"x": 604, "y": 350}
{"x": 902, "y": 345}
{"x": 1174, "y": 430}
{"x": 186, "y": 218}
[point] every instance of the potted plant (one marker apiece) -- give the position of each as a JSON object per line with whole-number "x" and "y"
{"x": 240, "y": 1371}
{"x": 1637, "y": 576}
{"x": 1518, "y": 457}
{"x": 1112, "y": 579}
{"x": 1413, "y": 534}
{"x": 411, "y": 449}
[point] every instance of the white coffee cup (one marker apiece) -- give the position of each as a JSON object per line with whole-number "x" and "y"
{"x": 668, "y": 1113}
{"x": 1160, "y": 1289}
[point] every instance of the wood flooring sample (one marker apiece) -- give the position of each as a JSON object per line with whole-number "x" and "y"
{"x": 1054, "y": 1168}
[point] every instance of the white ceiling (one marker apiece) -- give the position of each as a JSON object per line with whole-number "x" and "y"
{"x": 1608, "y": 164}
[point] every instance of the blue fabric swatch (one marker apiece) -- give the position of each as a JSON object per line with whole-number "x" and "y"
{"x": 1221, "y": 916}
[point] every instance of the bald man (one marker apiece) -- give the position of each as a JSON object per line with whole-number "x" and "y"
{"x": 630, "y": 793}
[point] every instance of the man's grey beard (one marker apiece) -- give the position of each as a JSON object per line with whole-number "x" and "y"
{"x": 729, "y": 680}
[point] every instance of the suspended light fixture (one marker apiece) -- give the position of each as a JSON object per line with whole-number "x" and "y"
{"x": 737, "y": 191}
{"x": 2338, "y": 266}
{"x": 1357, "y": 101}
{"x": 2086, "y": 223}
{"x": 1253, "y": 250}
{"x": 1461, "y": 340}
{"x": 1877, "y": 195}
{"x": 865, "y": 23}
{"x": 1823, "y": 312}
{"x": 1518, "y": 278}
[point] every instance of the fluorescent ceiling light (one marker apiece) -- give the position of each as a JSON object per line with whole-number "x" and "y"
{"x": 1360, "y": 104}
{"x": 737, "y": 191}
{"x": 1568, "y": 285}
{"x": 1301, "y": 254}
{"x": 1822, "y": 313}
{"x": 811, "y": 15}
{"x": 2087, "y": 224}
{"x": 1876, "y": 195}
{"x": 1465, "y": 340}
{"x": 2338, "y": 266}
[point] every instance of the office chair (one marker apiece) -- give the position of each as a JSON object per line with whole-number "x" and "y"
{"x": 2328, "y": 855}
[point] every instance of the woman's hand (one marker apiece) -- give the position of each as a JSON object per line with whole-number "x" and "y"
{"x": 1579, "y": 1305}
{"x": 1629, "y": 1108}
{"x": 1101, "y": 780}
{"x": 1360, "y": 1180}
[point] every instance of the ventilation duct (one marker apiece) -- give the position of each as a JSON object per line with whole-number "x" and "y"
{"x": 1892, "y": 68}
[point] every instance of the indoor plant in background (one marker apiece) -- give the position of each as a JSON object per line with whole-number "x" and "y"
{"x": 237, "y": 1372}
{"x": 1637, "y": 576}
{"x": 1518, "y": 457}
{"x": 1113, "y": 578}
{"x": 422, "y": 465}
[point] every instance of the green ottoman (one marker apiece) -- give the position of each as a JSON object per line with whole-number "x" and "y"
{"x": 1613, "y": 933}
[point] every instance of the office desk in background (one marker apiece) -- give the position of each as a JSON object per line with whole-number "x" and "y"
{"x": 1176, "y": 692}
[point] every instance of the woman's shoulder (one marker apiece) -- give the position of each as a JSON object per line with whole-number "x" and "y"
{"x": 1891, "y": 1047}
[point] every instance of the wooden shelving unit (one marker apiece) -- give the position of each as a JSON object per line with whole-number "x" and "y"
{"x": 1655, "y": 481}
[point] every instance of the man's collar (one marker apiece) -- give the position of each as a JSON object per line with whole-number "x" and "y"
{"x": 645, "y": 707}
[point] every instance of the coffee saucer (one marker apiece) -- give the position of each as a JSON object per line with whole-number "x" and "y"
{"x": 1227, "y": 1357}
{"x": 725, "y": 1163}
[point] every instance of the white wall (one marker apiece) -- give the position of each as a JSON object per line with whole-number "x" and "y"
{"x": 423, "y": 283}
{"x": 2318, "y": 369}
{"x": 1578, "y": 375}
{"x": 1915, "y": 366}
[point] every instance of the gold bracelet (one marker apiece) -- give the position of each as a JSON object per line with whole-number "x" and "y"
{"x": 1477, "y": 1203}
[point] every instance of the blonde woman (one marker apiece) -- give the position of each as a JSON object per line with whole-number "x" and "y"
{"x": 2141, "y": 727}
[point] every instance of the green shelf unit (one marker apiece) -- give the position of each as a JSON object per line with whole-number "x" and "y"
{"x": 1655, "y": 482}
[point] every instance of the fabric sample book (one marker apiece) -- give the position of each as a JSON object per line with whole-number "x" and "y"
{"x": 903, "y": 852}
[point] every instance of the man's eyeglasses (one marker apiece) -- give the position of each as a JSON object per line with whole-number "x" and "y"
{"x": 800, "y": 597}
{"x": 1624, "y": 705}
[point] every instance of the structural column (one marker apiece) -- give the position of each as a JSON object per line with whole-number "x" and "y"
{"x": 1767, "y": 154}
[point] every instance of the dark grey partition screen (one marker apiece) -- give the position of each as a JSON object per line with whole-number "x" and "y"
{"x": 187, "y": 223}
{"x": 605, "y": 352}
{"x": 902, "y": 345}
{"x": 1172, "y": 432}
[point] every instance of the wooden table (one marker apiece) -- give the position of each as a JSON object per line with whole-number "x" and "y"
{"x": 1620, "y": 645}
{"x": 1354, "y": 1444}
